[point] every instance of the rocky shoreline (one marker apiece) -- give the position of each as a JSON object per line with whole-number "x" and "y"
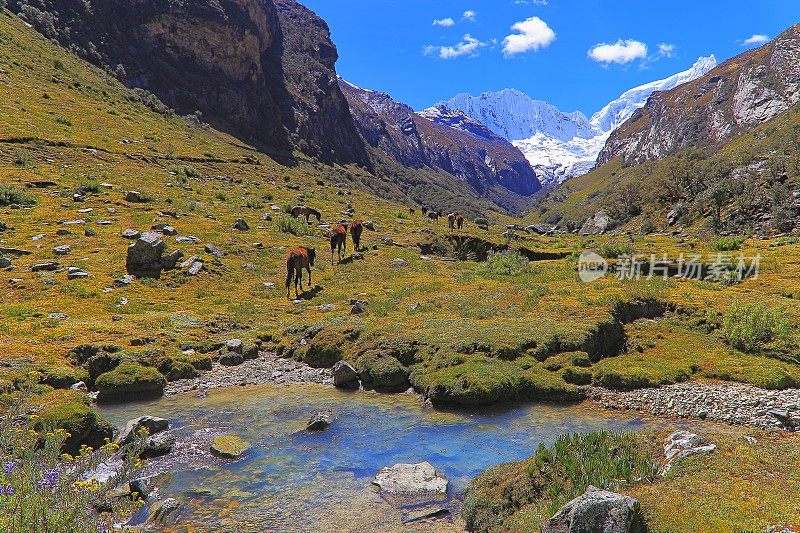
{"x": 266, "y": 369}
{"x": 729, "y": 403}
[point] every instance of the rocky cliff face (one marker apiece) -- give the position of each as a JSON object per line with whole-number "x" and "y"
{"x": 736, "y": 96}
{"x": 448, "y": 141}
{"x": 263, "y": 69}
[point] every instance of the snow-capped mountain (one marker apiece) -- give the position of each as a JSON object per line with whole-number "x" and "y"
{"x": 560, "y": 145}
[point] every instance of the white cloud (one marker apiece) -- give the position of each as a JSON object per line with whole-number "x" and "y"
{"x": 666, "y": 50}
{"x": 620, "y": 52}
{"x": 470, "y": 15}
{"x": 531, "y": 34}
{"x": 469, "y": 46}
{"x": 756, "y": 38}
{"x": 445, "y": 22}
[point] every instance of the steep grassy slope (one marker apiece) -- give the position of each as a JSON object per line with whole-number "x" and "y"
{"x": 461, "y": 331}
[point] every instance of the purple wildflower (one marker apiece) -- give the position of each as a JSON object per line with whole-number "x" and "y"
{"x": 9, "y": 467}
{"x": 8, "y": 490}
{"x": 102, "y": 527}
{"x": 49, "y": 480}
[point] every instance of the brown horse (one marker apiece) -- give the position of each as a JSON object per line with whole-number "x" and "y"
{"x": 297, "y": 260}
{"x": 305, "y": 211}
{"x": 339, "y": 241}
{"x": 356, "y": 229}
{"x": 451, "y": 221}
{"x": 424, "y": 211}
{"x": 459, "y": 221}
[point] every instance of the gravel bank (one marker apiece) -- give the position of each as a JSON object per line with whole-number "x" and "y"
{"x": 268, "y": 368}
{"x": 723, "y": 402}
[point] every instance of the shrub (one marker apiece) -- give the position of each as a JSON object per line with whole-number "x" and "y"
{"x": 506, "y": 264}
{"x": 296, "y": 227}
{"x": 21, "y": 158}
{"x": 553, "y": 476}
{"x": 613, "y": 250}
{"x": 726, "y": 244}
{"x": 755, "y": 328}
{"x": 130, "y": 381}
{"x": 577, "y": 375}
{"x": 43, "y": 490}
{"x": 11, "y": 195}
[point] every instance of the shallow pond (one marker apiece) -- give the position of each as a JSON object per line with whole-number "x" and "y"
{"x": 292, "y": 480}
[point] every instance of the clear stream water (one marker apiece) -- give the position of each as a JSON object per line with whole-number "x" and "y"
{"x": 291, "y": 480}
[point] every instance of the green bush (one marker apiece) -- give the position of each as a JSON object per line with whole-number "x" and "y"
{"x": 294, "y": 226}
{"x": 726, "y": 244}
{"x": 754, "y": 328}
{"x": 614, "y": 250}
{"x": 10, "y": 195}
{"x": 553, "y": 476}
{"x": 506, "y": 264}
{"x": 130, "y": 381}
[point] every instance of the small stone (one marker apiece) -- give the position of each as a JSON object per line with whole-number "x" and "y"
{"x": 213, "y": 250}
{"x": 195, "y": 269}
{"x": 190, "y": 239}
{"x": 58, "y": 316}
{"x": 48, "y": 266}
{"x": 358, "y": 308}
{"x": 241, "y": 225}
{"x": 321, "y": 420}
{"x": 131, "y": 234}
{"x": 133, "y": 196}
{"x": 234, "y": 345}
{"x": 399, "y": 262}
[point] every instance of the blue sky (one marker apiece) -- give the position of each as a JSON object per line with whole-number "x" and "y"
{"x": 553, "y": 54}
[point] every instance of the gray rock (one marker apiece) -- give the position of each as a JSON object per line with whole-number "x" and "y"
{"x": 321, "y": 420}
{"x": 406, "y": 479}
{"x": 80, "y": 386}
{"x": 189, "y": 261}
{"x": 58, "y": 316}
{"x": 596, "y": 225}
{"x": 133, "y": 196}
{"x": 124, "y": 281}
{"x": 213, "y": 250}
{"x": 106, "y": 471}
{"x": 48, "y": 266}
{"x": 158, "y": 445}
{"x": 596, "y": 511}
{"x": 171, "y": 259}
{"x": 398, "y": 263}
{"x": 231, "y": 359}
{"x": 164, "y": 512}
{"x": 241, "y": 225}
{"x": 190, "y": 239}
{"x": 152, "y": 424}
{"x": 234, "y": 345}
{"x": 89, "y": 232}
{"x": 5, "y": 262}
{"x": 144, "y": 255}
{"x": 131, "y": 233}
{"x": 344, "y": 375}
{"x": 682, "y": 444}
{"x": 77, "y": 273}
{"x": 195, "y": 268}
{"x": 164, "y": 229}
{"x": 358, "y": 308}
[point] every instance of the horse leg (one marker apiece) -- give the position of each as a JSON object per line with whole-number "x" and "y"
{"x": 288, "y": 279}
{"x": 308, "y": 268}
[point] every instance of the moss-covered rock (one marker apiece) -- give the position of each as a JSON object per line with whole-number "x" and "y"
{"x": 70, "y": 411}
{"x": 175, "y": 369}
{"x": 577, "y": 375}
{"x": 324, "y": 350}
{"x": 381, "y": 371}
{"x": 475, "y": 381}
{"x": 198, "y": 361}
{"x": 130, "y": 381}
{"x": 228, "y": 446}
{"x": 63, "y": 377}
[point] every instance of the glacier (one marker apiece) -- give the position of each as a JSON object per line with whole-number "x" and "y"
{"x": 560, "y": 145}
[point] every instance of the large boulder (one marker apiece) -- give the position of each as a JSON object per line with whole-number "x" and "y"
{"x": 345, "y": 376}
{"x": 596, "y": 225}
{"x": 596, "y": 511}
{"x": 405, "y": 479}
{"x": 144, "y": 255}
{"x": 130, "y": 381}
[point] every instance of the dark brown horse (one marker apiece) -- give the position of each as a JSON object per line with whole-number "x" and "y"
{"x": 297, "y": 260}
{"x": 424, "y": 211}
{"x": 459, "y": 220}
{"x": 305, "y": 211}
{"x": 356, "y": 229}
{"x": 339, "y": 241}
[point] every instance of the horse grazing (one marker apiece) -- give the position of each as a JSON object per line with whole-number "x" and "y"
{"x": 339, "y": 241}
{"x": 356, "y": 229}
{"x": 433, "y": 216}
{"x": 297, "y": 260}
{"x": 460, "y": 220}
{"x": 305, "y": 211}
{"x": 451, "y": 221}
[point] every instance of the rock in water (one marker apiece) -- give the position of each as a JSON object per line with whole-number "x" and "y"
{"x": 344, "y": 375}
{"x": 228, "y": 446}
{"x": 152, "y": 424}
{"x": 158, "y": 445}
{"x": 596, "y": 511}
{"x": 411, "y": 479}
{"x": 321, "y": 420}
{"x": 164, "y": 512}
